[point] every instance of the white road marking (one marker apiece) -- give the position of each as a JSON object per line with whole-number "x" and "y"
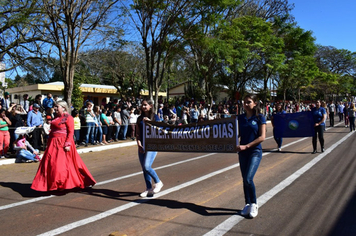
{"x": 228, "y": 224}
{"x": 113, "y": 211}
{"x": 103, "y": 182}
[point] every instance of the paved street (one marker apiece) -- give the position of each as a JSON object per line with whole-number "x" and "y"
{"x": 299, "y": 193}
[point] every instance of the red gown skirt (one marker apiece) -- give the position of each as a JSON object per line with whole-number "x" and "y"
{"x": 59, "y": 170}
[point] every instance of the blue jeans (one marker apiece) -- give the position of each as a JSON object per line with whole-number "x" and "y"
{"x": 249, "y": 162}
{"x": 90, "y": 130}
{"x": 25, "y": 154}
{"x": 124, "y": 131}
{"x": 99, "y": 133}
{"x": 146, "y": 161}
{"x": 77, "y": 135}
{"x": 117, "y": 132}
{"x": 278, "y": 140}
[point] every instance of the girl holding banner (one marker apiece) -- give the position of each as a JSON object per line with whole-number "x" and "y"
{"x": 252, "y": 131}
{"x": 147, "y": 158}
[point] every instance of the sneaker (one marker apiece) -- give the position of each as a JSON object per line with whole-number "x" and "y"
{"x": 102, "y": 143}
{"x": 2, "y": 157}
{"x": 253, "y": 210}
{"x": 158, "y": 187}
{"x": 246, "y": 210}
{"x": 279, "y": 149}
{"x": 146, "y": 193}
{"x": 83, "y": 143}
{"x": 86, "y": 145}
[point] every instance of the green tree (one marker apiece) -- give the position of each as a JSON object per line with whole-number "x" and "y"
{"x": 18, "y": 37}
{"x": 68, "y": 25}
{"x": 299, "y": 68}
{"x": 340, "y": 66}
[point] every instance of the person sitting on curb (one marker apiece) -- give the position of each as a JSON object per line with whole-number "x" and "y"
{"x": 24, "y": 151}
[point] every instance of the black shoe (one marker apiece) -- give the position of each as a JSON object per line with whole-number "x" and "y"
{"x": 322, "y": 150}
{"x": 314, "y": 152}
{"x": 86, "y": 145}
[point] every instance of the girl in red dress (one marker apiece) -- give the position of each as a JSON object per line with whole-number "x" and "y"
{"x": 61, "y": 166}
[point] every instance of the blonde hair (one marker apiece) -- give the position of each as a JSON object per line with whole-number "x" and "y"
{"x": 63, "y": 104}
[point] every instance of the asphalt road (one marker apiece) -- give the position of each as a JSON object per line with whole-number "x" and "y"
{"x": 299, "y": 193}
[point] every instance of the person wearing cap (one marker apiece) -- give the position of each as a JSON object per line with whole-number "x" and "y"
{"x": 34, "y": 119}
{"x": 5, "y": 101}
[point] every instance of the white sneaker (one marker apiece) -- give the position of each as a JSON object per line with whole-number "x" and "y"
{"x": 279, "y": 149}
{"x": 146, "y": 193}
{"x": 246, "y": 210}
{"x": 254, "y": 210}
{"x": 158, "y": 187}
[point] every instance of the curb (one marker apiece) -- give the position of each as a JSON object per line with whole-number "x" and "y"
{"x": 7, "y": 161}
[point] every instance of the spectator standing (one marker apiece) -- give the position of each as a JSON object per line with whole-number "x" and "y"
{"x": 332, "y": 109}
{"x": 105, "y": 122}
{"x": 98, "y": 135}
{"x": 117, "y": 121}
{"x": 109, "y": 136}
{"x": 194, "y": 114}
{"x": 48, "y": 102}
{"x": 4, "y": 134}
{"x": 160, "y": 112}
{"x": 34, "y": 119}
{"x": 125, "y": 116}
{"x": 25, "y": 103}
{"x": 90, "y": 123}
{"x": 132, "y": 122}
{"x": 15, "y": 113}
{"x": 5, "y": 101}
{"x": 77, "y": 125}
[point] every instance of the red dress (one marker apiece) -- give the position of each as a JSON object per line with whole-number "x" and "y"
{"x": 59, "y": 169}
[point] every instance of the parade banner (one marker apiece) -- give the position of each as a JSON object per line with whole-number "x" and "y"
{"x": 208, "y": 136}
{"x": 298, "y": 124}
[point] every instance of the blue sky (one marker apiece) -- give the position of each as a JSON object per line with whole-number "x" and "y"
{"x": 333, "y": 22}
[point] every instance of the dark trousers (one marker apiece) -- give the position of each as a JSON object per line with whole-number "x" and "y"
{"x": 331, "y": 117}
{"x": 318, "y": 132}
{"x": 36, "y": 138}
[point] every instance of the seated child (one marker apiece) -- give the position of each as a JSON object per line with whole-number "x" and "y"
{"x": 24, "y": 151}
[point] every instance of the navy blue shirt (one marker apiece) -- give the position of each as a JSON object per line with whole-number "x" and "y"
{"x": 249, "y": 129}
{"x": 318, "y": 114}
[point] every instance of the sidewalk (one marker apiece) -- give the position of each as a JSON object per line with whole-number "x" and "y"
{"x": 80, "y": 150}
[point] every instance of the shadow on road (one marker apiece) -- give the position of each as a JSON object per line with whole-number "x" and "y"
{"x": 23, "y": 189}
{"x": 346, "y": 224}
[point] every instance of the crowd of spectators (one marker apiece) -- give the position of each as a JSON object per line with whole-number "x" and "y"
{"x": 101, "y": 124}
